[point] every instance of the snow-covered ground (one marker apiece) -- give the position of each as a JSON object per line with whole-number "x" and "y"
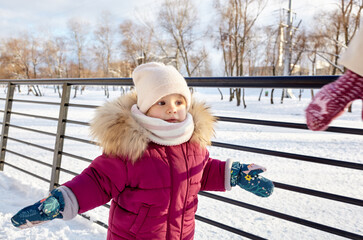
{"x": 18, "y": 189}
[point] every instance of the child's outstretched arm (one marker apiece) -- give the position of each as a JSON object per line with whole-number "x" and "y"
{"x": 247, "y": 177}
{"x": 60, "y": 204}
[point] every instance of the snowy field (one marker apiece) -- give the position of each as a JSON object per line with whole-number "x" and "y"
{"x": 18, "y": 189}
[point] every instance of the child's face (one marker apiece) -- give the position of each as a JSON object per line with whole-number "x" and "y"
{"x": 171, "y": 108}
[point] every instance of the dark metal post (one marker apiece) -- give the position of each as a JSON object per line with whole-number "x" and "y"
{"x": 59, "y": 141}
{"x": 6, "y": 121}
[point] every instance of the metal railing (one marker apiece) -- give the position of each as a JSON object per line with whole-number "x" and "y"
{"x": 238, "y": 82}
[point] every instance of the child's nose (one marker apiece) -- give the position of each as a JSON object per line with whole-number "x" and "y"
{"x": 172, "y": 108}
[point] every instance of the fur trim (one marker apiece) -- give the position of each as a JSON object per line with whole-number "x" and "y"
{"x": 203, "y": 123}
{"x": 117, "y": 132}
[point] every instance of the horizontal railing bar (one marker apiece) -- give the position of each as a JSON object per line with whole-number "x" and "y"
{"x": 36, "y": 102}
{"x": 69, "y": 172}
{"x": 76, "y": 157}
{"x": 72, "y": 81}
{"x": 102, "y": 224}
{"x": 32, "y": 130}
{"x": 34, "y": 116}
{"x": 31, "y": 144}
{"x": 81, "y": 105}
{"x": 345, "y": 130}
{"x": 227, "y": 228}
{"x": 80, "y": 140}
{"x": 262, "y": 81}
{"x": 316, "y": 193}
{"x": 326, "y": 161}
{"x": 297, "y": 220}
{"x": 77, "y": 122}
{"x": 222, "y": 82}
{"x": 29, "y": 158}
{"x": 27, "y": 172}
{"x": 288, "y": 125}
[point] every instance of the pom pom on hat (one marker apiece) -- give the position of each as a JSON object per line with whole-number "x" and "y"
{"x": 156, "y": 80}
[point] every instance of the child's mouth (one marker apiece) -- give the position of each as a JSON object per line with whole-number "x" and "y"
{"x": 172, "y": 120}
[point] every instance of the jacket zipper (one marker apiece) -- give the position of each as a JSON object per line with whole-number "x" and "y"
{"x": 171, "y": 200}
{"x": 186, "y": 194}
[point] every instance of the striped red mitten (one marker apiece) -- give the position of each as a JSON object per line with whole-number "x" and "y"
{"x": 332, "y": 99}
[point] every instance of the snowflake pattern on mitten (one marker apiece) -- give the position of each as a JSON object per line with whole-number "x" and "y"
{"x": 247, "y": 177}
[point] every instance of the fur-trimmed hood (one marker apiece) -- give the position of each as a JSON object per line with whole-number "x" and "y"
{"x": 118, "y": 133}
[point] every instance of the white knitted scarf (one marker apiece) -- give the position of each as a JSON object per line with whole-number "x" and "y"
{"x": 163, "y": 132}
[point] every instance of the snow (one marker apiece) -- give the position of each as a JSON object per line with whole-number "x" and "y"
{"x": 18, "y": 190}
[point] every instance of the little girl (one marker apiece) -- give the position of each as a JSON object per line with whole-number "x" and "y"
{"x": 153, "y": 165}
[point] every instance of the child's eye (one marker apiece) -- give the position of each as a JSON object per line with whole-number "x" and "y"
{"x": 179, "y": 102}
{"x": 161, "y": 103}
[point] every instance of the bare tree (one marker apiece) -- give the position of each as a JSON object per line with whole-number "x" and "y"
{"x": 315, "y": 42}
{"x": 236, "y": 20}
{"x": 55, "y": 58}
{"x": 338, "y": 26}
{"x": 78, "y": 37}
{"x": 104, "y": 45}
{"x": 22, "y": 59}
{"x": 299, "y": 45}
{"x": 137, "y": 42}
{"x": 350, "y": 12}
{"x": 272, "y": 60}
{"x": 36, "y": 58}
{"x": 179, "y": 19}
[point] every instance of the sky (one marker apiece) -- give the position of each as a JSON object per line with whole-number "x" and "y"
{"x": 50, "y": 17}
{"x": 17, "y": 16}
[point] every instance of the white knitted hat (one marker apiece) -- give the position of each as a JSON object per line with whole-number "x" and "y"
{"x": 156, "y": 80}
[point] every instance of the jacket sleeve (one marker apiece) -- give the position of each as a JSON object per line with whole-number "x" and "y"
{"x": 102, "y": 180}
{"x": 216, "y": 175}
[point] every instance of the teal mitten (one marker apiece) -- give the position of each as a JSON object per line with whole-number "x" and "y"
{"x": 41, "y": 212}
{"x": 247, "y": 177}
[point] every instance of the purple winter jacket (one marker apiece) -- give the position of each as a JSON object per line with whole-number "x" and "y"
{"x": 153, "y": 191}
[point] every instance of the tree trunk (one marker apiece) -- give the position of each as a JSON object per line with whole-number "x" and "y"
{"x": 75, "y": 91}
{"x": 220, "y": 93}
{"x": 59, "y": 93}
{"x": 300, "y": 94}
{"x": 231, "y": 94}
{"x": 259, "y": 98}
{"x": 243, "y": 99}
{"x": 282, "y": 96}
{"x": 350, "y": 107}
{"x": 40, "y": 93}
{"x": 272, "y": 96}
{"x": 107, "y": 92}
{"x": 238, "y": 96}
